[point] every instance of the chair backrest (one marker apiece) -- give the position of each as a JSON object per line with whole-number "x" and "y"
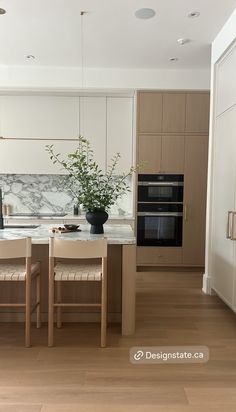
{"x": 81, "y": 249}
{"x": 15, "y": 248}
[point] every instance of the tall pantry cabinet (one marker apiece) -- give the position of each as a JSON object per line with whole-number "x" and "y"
{"x": 172, "y": 137}
{"x": 223, "y": 203}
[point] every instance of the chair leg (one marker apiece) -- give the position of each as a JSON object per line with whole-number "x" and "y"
{"x": 58, "y": 286}
{"x": 38, "y": 300}
{"x": 28, "y": 311}
{"x": 50, "y": 307}
{"x": 104, "y": 308}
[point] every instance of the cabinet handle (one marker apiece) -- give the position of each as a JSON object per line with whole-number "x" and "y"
{"x": 228, "y": 231}
{"x": 232, "y": 229}
{"x": 185, "y": 213}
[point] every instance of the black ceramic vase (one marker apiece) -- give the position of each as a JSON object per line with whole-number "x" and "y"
{"x": 96, "y": 220}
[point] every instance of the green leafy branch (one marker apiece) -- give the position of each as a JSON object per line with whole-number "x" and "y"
{"x": 95, "y": 190}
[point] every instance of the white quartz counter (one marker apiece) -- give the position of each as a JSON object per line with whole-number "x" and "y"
{"x": 115, "y": 234}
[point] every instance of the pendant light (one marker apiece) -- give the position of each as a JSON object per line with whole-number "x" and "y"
{"x": 82, "y": 14}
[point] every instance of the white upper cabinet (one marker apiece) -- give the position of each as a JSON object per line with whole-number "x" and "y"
{"x": 42, "y": 117}
{"x": 226, "y": 84}
{"x": 28, "y": 123}
{"x": 120, "y": 131}
{"x": 30, "y": 156}
{"x": 93, "y": 126}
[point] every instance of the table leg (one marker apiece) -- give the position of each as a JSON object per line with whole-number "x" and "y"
{"x": 128, "y": 289}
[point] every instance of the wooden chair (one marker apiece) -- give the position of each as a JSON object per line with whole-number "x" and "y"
{"x": 17, "y": 272}
{"x": 83, "y": 272}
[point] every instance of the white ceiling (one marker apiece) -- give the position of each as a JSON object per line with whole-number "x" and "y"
{"x": 113, "y": 36}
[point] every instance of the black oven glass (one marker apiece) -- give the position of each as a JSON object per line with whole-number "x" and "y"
{"x": 160, "y": 188}
{"x": 161, "y": 228}
{"x": 160, "y": 192}
{"x": 160, "y": 225}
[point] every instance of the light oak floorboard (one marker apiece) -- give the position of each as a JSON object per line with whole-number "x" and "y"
{"x": 136, "y": 408}
{"x": 20, "y": 408}
{"x": 78, "y": 375}
{"x": 211, "y": 396}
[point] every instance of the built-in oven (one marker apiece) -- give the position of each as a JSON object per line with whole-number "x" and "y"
{"x": 160, "y": 210}
{"x": 160, "y": 188}
{"x": 160, "y": 225}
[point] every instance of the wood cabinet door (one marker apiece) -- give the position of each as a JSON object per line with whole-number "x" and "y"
{"x": 40, "y": 117}
{"x": 93, "y": 126}
{"x": 197, "y": 112}
{"x": 149, "y": 112}
{"x": 148, "y": 255}
{"x": 174, "y": 106}
{"x": 195, "y": 187}
{"x": 223, "y": 261}
{"x": 120, "y": 131}
{"x": 172, "y": 154}
{"x": 149, "y": 151}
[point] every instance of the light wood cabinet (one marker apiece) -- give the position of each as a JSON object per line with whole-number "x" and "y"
{"x": 40, "y": 117}
{"x": 174, "y": 106}
{"x": 162, "y": 256}
{"x": 161, "y": 154}
{"x": 149, "y": 151}
{"x": 172, "y": 154}
{"x": 173, "y": 112}
{"x": 120, "y": 131}
{"x": 150, "y": 112}
{"x": 195, "y": 184}
{"x": 93, "y": 126}
{"x": 175, "y": 141}
{"x": 197, "y": 112}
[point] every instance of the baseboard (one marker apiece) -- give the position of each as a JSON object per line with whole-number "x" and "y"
{"x": 170, "y": 269}
{"x": 206, "y": 285}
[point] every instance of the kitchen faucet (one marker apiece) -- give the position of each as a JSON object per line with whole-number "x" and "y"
{"x": 1, "y": 216}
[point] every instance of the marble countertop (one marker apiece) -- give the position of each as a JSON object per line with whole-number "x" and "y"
{"x": 115, "y": 234}
{"x": 66, "y": 218}
{"x": 110, "y": 217}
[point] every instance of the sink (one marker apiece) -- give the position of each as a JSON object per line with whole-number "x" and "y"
{"x": 20, "y": 226}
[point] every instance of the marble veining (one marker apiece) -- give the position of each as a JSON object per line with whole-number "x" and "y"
{"x": 115, "y": 234}
{"x": 48, "y": 194}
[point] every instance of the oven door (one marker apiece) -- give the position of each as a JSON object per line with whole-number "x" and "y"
{"x": 159, "y": 229}
{"x": 160, "y": 192}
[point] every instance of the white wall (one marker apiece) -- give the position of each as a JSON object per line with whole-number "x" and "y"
{"x": 222, "y": 42}
{"x": 65, "y": 77}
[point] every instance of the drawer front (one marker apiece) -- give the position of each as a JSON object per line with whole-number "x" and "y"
{"x": 159, "y": 255}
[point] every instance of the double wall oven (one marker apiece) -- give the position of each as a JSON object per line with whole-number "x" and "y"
{"x": 160, "y": 210}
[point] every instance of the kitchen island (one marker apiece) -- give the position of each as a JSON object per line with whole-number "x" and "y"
{"x": 121, "y": 274}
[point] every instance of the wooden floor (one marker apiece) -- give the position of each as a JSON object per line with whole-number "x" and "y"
{"x": 78, "y": 376}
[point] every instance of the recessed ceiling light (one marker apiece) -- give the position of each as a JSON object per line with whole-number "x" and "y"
{"x": 182, "y": 42}
{"x": 2, "y": 11}
{"x": 145, "y": 13}
{"x": 193, "y": 14}
{"x": 30, "y": 57}
{"x": 173, "y": 59}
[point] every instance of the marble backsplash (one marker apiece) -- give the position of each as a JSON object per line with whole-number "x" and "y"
{"x": 48, "y": 194}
